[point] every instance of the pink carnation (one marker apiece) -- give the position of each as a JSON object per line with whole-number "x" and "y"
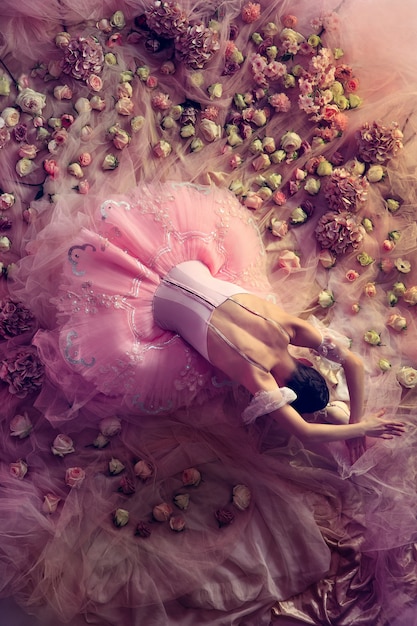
{"x": 22, "y": 371}
{"x": 15, "y": 319}
{"x": 251, "y": 12}
{"x": 280, "y": 102}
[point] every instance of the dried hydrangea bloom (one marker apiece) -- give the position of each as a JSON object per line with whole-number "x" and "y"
{"x": 166, "y": 19}
{"x": 338, "y": 231}
{"x": 196, "y": 45}
{"x": 83, "y": 57}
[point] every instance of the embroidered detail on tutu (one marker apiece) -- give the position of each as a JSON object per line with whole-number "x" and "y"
{"x": 74, "y": 257}
{"x": 189, "y": 378}
{"x": 151, "y": 409}
{"x": 69, "y": 345}
{"x": 111, "y": 204}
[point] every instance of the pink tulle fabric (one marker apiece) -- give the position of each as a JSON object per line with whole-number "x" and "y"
{"x": 104, "y": 416}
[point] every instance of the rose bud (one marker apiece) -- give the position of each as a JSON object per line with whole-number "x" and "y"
{"x": 20, "y": 426}
{"x": 224, "y": 517}
{"x": 241, "y": 497}
{"x": 127, "y": 486}
{"x": 62, "y": 445}
{"x": 143, "y": 530}
{"x": 74, "y": 477}
{"x": 143, "y": 470}
{"x": 191, "y": 477}
{"x": 162, "y": 512}
{"x": 182, "y": 500}
{"x": 50, "y": 503}
{"x": 120, "y": 517}
{"x": 101, "y": 441}
{"x": 18, "y": 469}
{"x": 115, "y": 467}
{"x": 177, "y": 523}
{"x": 110, "y": 426}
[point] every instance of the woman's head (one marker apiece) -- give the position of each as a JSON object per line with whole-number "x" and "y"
{"x": 310, "y": 387}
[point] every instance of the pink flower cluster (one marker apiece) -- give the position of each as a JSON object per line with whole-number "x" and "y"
{"x": 166, "y": 19}
{"x": 196, "y": 45}
{"x": 15, "y": 319}
{"x": 83, "y": 57}
{"x": 346, "y": 191}
{"x": 338, "y": 231}
{"x": 22, "y": 371}
{"x": 378, "y": 143}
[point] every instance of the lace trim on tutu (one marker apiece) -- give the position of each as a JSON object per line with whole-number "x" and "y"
{"x": 264, "y": 402}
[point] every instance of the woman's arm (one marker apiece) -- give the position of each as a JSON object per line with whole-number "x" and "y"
{"x": 373, "y": 425}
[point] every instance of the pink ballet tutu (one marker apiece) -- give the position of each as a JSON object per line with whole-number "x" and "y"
{"x": 102, "y": 345}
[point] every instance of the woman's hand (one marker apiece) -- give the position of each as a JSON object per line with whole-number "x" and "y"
{"x": 376, "y": 426}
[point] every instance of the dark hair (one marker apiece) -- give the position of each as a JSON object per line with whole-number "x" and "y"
{"x": 310, "y": 387}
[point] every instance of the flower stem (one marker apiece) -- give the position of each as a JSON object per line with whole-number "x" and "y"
{"x": 16, "y": 84}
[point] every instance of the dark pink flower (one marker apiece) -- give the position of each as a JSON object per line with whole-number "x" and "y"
{"x": 15, "y": 319}
{"x": 167, "y": 19}
{"x": 338, "y": 231}
{"x": 83, "y": 56}
{"x": 22, "y": 371}
{"x": 224, "y": 517}
{"x": 196, "y": 45}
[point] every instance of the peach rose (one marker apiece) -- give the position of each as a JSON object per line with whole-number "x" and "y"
{"x": 63, "y": 92}
{"x": 124, "y": 106}
{"x": 407, "y": 376}
{"x": 397, "y": 322}
{"x": 27, "y": 151}
{"x": 370, "y": 290}
{"x": 289, "y": 261}
{"x": 410, "y": 295}
{"x": 143, "y": 470}
{"x": 31, "y": 101}
{"x": 95, "y": 82}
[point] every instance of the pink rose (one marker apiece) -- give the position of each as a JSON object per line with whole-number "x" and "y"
{"x": 253, "y": 201}
{"x": 121, "y": 139}
{"x": 83, "y": 187}
{"x": 74, "y": 477}
{"x": 51, "y": 168}
{"x": 327, "y": 259}
{"x": 279, "y": 228}
{"x": 20, "y": 426}
{"x": 162, "y": 512}
{"x": 143, "y": 470}
{"x": 63, "y": 92}
{"x": 351, "y": 275}
{"x": 289, "y": 21}
{"x": 143, "y": 530}
{"x": 62, "y": 445}
{"x": 279, "y": 197}
{"x": 289, "y": 261}
{"x": 370, "y": 290}
{"x": 251, "y": 12}
{"x": 27, "y": 151}
{"x": 161, "y": 101}
{"x": 50, "y": 503}
{"x": 84, "y": 159}
{"x": 386, "y": 265}
{"x": 67, "y": 120}
{"x": 162, "y": 149}
{"x": 127, "y": 486}
{"x": 177, "y": 523}
{"x": 18, "y": 470}
{"x": 7, "y": 200}
{"x": 191, "y": 477}
{"x": 94, "y": 82}
{"x": 388, "y": 245}
{"x": 60, "y": 136}
{"x": 224, "y": 517}
{"x": 151, "y": 82}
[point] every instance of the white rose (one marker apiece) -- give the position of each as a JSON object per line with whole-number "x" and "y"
{"x": 326, "y": 298}
{"x": 5, "y": 244}
{"x": 407, "y": 376}
{"x": 241, "y": 497}
{"x": 210, "y": 130}
{"x": 290, "y": 141}
{"x": 11, "y": 116}
{"x": 31, "y": 101}
{"x": 375, "y": 173}
{"x": 62, "y": 445}
{"x": 110, "y": 426}
{"x": 25, "y": 166}
{"x": 312, "y": 185}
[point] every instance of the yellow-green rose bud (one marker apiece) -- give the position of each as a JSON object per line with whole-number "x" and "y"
{"x": 274, "y": 181}
{"x": 272, "y": 52}
{"x": 354, "y": 101}
{"x": 117, "y": 20}
{"x": 342, "y": 102}
{"x": 136, "y": 123}
{"x": 399, "y": 289}
{"x": 265, "y": 193}
{"x": 375, "y": 173}
{"x": 126, "y": 76}
{"x": 337, "y": 89}
{"x": 392, "y": 298}
{"x": 338, "y": 53}
{"x": 298, "y": 216}
{"x": 392, "y": 205}
{"x": 297, "y": 70}
{"x": 324, "y": 168}
{"x": 4, "y": 86}
{"x": 364, "y": 259}
{"x": 367, "y": 224}
{"x": 110, "y": 58}
{"x": 278, "y": 156}
{"x": 215, "y": 90}
{"x": 236, "y": 187}
{"x": 234, "y": 139}
{"x": 257, "y": 38}
{"x": 256, "y": 146}
{"x": 188, "y": 130}
{"x": 239, "y": 101}
{"x": 314, "y": 41}
{"x": 196, "y": 145}
{"x": 326, "y": 299}
{"x": 289, "y": 81}
{"x": 372, "y": 337}
{"x": 143, "y": 72}
{"x": 394, "y": 235}
{"x": 384, "y": 365}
